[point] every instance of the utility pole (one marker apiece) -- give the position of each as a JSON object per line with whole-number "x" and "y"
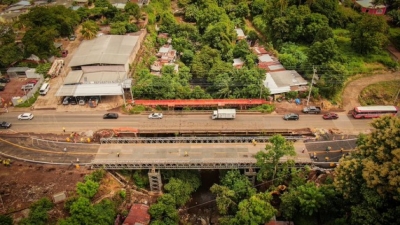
{"x": 261, "y": 88}
{"x": 312, "y": 81}
{"x": 395, "y": 99}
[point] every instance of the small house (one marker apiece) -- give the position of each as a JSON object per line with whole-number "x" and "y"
{"x": 285, "y": 81}
{"x": 240, "y": 34}
{"x": 138, "y": 214}
{"x": 367, "y": 6}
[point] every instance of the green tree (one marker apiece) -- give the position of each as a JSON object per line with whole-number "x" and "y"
{"x": 368, "y": 177}
{"x": 133, "y": 9}
{"x": 89, "y": 29}
{"x": 179, "y": 190}
{"x": 43, "y": 68}
{"x": 164, "y": 212}
{"x": 57, "y": 18}
{"x": 257, "y": 7}
{"x": 225, "y": 199}
{"x": 239, "y": 184}
{"x": 369, "y": 34}
{"x": 187, "y": 57}
{"x": 38, "y": 212}
{"x": 118, "y": 28}
{"x": 9, "y": 53}
{"x": 203, "y": 61}
{"x": 333, "y": 76}
{"x": 87, "y": 189}
{"x": 255, "y": 210}
{"x": 40, "y": 41}
{"x": 269, "y": 160}
{"x": 322, "y": 52}
{"x": 6, "y": 220}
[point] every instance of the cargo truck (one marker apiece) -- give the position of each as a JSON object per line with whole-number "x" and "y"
{"x": 224, "y": 114}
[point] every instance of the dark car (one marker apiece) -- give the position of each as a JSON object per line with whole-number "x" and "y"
{"x": 73, "y": 101}
{"x": 4, "y": 80}
{"x": 5, "y": 125}
{"x": 110, "y": 116}
{"x": 291, "y": 116}
{"x": 330, "y": 116}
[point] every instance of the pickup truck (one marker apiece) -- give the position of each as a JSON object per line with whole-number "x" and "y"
{"x": 27, "y": 86}
{"x": 312, "y": 109}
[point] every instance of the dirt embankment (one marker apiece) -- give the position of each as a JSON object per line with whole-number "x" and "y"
{"x": 354, "y": 88}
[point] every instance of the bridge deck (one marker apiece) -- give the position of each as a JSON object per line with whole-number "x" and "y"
{"x": 172, "y": 156}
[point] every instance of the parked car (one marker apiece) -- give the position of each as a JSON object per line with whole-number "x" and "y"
{"x": 64, "y": 53}
{"x": 4, "y": 80}
{"x": 27, "y": 87}
{"x": 291, "y": 116}
{"x": 5, "y": 125}
{"x": 330, "y": 116}
{"x": 93, "y": 101}
{"x": 25, "y": 116}
{"x": 2, "y": 86}
{"x": 66, "y": 100}
{"x": 110, "y": 116}
{"x": 73, "y": 101}
{"x": 34, "y": 82}
{"x": 72, "y": 38}
{"x": 81, "y": 101}
{"x": 156, "y": 116}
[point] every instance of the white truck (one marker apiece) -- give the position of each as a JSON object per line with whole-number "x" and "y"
{"x": 224, "y": 114}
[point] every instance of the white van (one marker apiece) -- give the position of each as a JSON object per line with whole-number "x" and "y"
{"x": 44, "y": 89}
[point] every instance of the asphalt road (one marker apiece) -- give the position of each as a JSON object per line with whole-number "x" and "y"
{"x": 53, "y": 122}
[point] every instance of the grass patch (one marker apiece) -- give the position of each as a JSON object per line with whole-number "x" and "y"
{"x": 265, "y": 108}
{"x": 29, "y": 102}
{"x": 382, "y": 93}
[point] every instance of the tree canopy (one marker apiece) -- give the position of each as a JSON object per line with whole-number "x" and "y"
{"x": 368, "y": 177}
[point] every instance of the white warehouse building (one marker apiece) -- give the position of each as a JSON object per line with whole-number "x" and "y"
{"x": 100, "y": 67}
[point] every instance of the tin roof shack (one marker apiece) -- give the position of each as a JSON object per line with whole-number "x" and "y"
{"x": 138, "y": 215}
{"x": 367, "y": 6}
{"x": 17, "y": 72}
{"x": 284, "y": 81}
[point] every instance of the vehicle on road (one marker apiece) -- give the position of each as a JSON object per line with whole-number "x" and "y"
{"x": 4, "y": 80}
{"x": 363, "y": 112}
{"x": 330, "y": 116}
{"x": 5, "y": 125}
{"x": 25, "y": 116}
{"x": 224, "y": 114}
{"x": 312, "y": 109}
{"x": 110, "y": 116}
{"x": 291, "y": 116}
{"x": 156, "y": 116}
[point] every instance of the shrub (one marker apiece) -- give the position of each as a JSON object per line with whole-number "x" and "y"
{"x": 265, "y": 108}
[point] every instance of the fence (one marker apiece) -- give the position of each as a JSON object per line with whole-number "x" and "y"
{"x": 19, "y": 100}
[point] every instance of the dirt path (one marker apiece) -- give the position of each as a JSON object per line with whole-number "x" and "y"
{"x": 354, "y": 88}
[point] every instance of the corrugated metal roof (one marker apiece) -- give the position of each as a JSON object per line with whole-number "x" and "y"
{"x": 106, "y": 49}
{"x": 287, "y": 78}
{"x": 73, "y": 77}
{"x": 66, "y": 90}
{"x": 91, "y": 69}
{"x": 138, "y": 214}
{"x": 103, "y": 77}
{"x": 90, "y": 90}
{"x": 17, "y": 69}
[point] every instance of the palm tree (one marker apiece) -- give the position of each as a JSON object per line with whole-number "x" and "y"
{"x": 89, "y": 29}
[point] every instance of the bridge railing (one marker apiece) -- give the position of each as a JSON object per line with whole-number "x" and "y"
{"x": 194, "y": 140}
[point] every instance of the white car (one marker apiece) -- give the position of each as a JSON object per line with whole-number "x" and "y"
{"x": 25, "y": 116}
{"x": 156, "y": 116}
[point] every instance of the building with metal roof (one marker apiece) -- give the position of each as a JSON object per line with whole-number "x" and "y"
{"x": 105, "y": 50}
{"x": 284, "y": 81}
{"x": 100, "y": 66}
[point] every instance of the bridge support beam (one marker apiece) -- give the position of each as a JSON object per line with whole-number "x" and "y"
{"x": 155, "y": 180}
{"x": 251, "y": 175}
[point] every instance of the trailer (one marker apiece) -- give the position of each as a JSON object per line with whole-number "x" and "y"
{"x": 224, "y": 114}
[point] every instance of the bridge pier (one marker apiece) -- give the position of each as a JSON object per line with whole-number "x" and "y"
{"x": 155, "y": 180}
{"x": 251, "y": 175}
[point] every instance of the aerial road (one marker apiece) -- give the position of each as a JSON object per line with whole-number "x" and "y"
{"x": 54, "y": 122}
